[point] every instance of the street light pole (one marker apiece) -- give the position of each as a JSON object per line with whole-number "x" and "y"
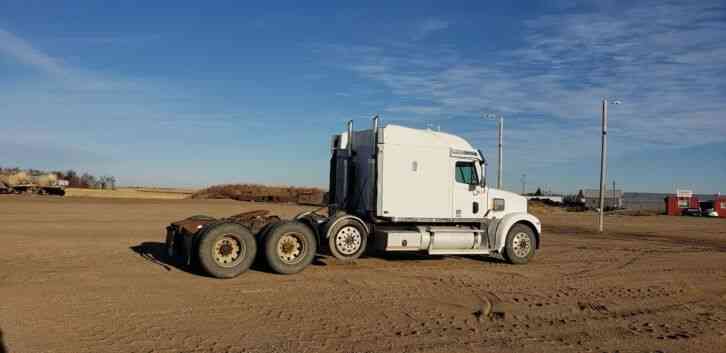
{"x": 603, "y": 160}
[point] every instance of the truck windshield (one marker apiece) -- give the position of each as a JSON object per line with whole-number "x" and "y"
{"x": 466, "y": 173}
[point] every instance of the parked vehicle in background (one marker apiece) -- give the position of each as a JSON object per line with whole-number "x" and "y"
{"x": 695, "y": 212}
{"x": 41, "y": 184}
{"x": 707, "y": 209}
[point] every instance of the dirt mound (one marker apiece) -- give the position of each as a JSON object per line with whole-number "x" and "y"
{"x": 263, "y": 193}
{"x": 539, "y": 207}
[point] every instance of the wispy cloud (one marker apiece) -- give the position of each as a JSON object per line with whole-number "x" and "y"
{"x": 415, "y": 109}
{"x": 427, "y": 27}
{"x": 67, "y": 78}
{"x": 107, "y": 39}
{"x": 665, "y": 61}
{"x": 90, "y": 118}
{"x": 25, "y": 53}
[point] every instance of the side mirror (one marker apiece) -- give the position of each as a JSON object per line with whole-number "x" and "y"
{"x": 483, "y": 165}
{"x": 483, "y": 159}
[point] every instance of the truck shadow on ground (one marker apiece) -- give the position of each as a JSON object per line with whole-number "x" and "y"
{"x": 156, "y": 253}
{"x": 423, "y": 256}
{"x": 3, "y": 348}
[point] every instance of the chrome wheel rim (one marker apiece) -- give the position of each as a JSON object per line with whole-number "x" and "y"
{"x": 228, "y": 251}
{"x": 521, "y": 244}
{"x": 291, "y": 248}
{"x": 348, "y": 240}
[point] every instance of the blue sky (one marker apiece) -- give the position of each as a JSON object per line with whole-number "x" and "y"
{"x": 193, "y": 93}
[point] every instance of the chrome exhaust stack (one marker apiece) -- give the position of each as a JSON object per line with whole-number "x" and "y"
{"x": 376, "y": 123}
{"x": 350, "y": 136}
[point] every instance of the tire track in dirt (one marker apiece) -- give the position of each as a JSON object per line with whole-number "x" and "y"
{"x": 88, "y": 292}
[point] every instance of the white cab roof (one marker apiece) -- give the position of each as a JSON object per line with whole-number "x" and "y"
{"x": 394, "y": 134}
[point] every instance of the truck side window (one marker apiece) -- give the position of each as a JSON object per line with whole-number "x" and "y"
{"x": 466, "y": 173}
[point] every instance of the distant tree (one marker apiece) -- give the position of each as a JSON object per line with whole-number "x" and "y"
{"x": 73, "y": 179}
{"x": 107, "y": 182}
{"x": 538, "y": 192}
{"x": 571, "y": 200}
{"x": 9, "y": 170}
{"x": 88, "y": 181}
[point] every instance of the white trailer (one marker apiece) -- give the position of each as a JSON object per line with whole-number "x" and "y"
{"x": 391, "y": 188}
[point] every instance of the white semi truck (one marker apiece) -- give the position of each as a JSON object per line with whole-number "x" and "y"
{"x": 392, "y": 188}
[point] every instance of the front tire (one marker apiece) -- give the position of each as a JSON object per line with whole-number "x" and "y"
{"x": 520, "y": 244}
{"x": 289, "y": 247}
{"x": 226, "y": 250}
{"x": 348, "y": 240}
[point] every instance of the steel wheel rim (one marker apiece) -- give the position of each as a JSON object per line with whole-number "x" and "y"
{"x": 521, "y": 244}
{"x": 291, "y": 248}
{"x": 348, "y": 240}
{"x": 228, "y": 251}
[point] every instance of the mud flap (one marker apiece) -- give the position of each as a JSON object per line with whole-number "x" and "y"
{"x": 179, "y": 244}
{"x": 188, "y": 246}
{"x": 170, "y": 241}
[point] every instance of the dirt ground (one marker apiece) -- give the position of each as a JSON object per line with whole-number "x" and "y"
{"x": 132, "y": 193}
{"x": 89, "y": 275}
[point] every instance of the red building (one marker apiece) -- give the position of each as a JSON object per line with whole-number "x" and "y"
{"x": 675, "y": 205}
{"x": 719, "y": 205}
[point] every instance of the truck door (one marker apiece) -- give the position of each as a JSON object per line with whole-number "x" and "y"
{"x": 467, "y": 190}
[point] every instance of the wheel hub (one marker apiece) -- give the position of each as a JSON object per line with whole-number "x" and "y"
{"x": 290, "y": 248}
{"x": 521, "y": 245}
{"x": 227, "y": 251}
{"x": 348, "y": 240}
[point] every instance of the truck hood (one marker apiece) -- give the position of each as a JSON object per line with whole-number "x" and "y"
{"x": 512, "y": 202}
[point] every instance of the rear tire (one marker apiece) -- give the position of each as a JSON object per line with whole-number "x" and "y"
{"x": 520, "y": 244}
{"x": 226, "y": 250}
{"x": 289, "y": 247}
{"x": 348, "y": 240}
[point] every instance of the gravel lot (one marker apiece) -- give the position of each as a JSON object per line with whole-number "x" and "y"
{"x": 89, "y": 275}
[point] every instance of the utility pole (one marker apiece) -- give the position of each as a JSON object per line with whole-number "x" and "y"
{"x": 500, "y": 125}
{"x": 603, "y": 160}
{"x": 524, "y": 184}
{"x": 500, "y": 132}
